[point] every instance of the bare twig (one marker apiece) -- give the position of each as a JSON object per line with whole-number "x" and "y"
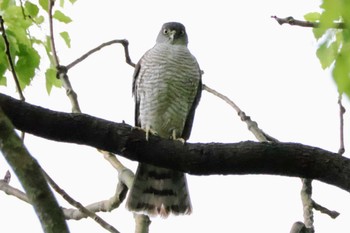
{"x": 124, "y": 42}
{"x": 341, "y": 122}
{"x": 7, "y": 177}
{"x": 62, "y": 70}
{"x": 142, "y": 223}
{"x": 252, "y": 125}
{"x": 9, "y": 190}
{"x": 291, "y": 21}
{"x": 306, "y": 192}
{"x": 331, "y": 213}
{"x": 76, "y": 214}
{"x": 9, "y": 58}
{"x": 78, "y": 205}
{"x": 72, "y": 96}
{"x": 53, "y": 45}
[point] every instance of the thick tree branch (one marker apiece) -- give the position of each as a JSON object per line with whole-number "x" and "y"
{"x": 288, "y": 159}
{"x": 29, "y": 173}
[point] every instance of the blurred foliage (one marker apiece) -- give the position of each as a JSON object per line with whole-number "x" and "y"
{"x": 21, "y": 20}
{"x": 333, "y": 35}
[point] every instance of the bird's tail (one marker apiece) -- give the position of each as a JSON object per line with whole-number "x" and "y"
{"x": 159, "y": 191}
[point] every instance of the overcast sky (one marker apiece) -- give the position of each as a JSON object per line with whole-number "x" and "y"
{"x": 270, "y": 71}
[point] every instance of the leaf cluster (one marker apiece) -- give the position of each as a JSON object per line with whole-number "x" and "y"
{"x": 20, "y": 20}
{"x": 334, "y": 41}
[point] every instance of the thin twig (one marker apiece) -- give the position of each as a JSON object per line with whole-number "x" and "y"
{"x": 7, "y": 177}
{"x": 252, "y": 125}
{"x": 294, "y": 22}
{"x": 9, "y": 190}
{"x": 341, "y": 122}
{"x": 73, "y": 213}
{"x": 124, "y": 42}
{"x": 62, "y": 70}
{"x": 72, "y": 96}
{"x": 331, "y": 213}
{"x": 9, "y": 58}
{"x": 53, "y": 45}
{"x": 79, "y": 206}
{"x": 306, "y": 193}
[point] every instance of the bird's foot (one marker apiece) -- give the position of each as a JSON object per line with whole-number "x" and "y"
{"x": 174, "y": 137}
{"x": 147, "y": 130}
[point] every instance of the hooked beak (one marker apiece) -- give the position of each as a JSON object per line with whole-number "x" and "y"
{"x": 172, "y": 35}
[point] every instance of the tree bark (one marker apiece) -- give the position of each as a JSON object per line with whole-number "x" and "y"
{"x": 30, "y": 174}
{"x": 287, "y": 159}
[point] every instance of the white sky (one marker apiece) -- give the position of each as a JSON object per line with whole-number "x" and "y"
{"x": 270, "y": 71}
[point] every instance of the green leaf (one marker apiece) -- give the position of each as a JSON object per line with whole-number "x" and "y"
{"x": 3, "y": 80}
{"x": 28, "y": 61}
{"x": 47, "y": 46}
{"x": 341, "y": 74}
{"x": 332, "y": 12}
{"x": 40, "y": 19}
{"x": 66, "y": 38}
{"x": 31, "y": 8}
{"x": 51, "y": 80}
{"x": 327, "y": 54}
{"x": 61, "y": 17}
{"x": 44, "y": 4}
{"x": 72, "y": 1}
{"x": 62, "y": 3}
{"x": 318, "y": 32}
{"x": 312, "y": 16}
{"x": 6, "y": 3}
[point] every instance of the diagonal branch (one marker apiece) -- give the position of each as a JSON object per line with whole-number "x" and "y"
{"x": 252, "y": 125}
{"x": 124, "y": 43}
{"x": 79, "y": 206}
{"x": 9, "y": 58}
{"x": 29, "y": 173}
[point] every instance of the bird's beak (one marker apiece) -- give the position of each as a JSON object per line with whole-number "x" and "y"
{"x": 172, "y": 35}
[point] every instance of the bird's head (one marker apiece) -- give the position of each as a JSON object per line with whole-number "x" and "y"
{"x": 173, "y": 33}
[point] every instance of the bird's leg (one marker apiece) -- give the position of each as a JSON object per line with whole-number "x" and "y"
{"x": 147, "y": 130}
{"x": 174, "y": 137}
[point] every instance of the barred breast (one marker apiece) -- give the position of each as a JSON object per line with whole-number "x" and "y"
{"x": 167, "y": 86}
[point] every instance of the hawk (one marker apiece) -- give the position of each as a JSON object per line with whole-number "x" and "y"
{"x": 167, "y": 87}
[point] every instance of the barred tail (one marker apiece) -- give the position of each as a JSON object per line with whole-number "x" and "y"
{"x": 159, "y": 191}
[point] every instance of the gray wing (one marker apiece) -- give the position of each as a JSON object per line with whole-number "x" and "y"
{"x": 189, "y": 120}
{"x": 134, "y": 92}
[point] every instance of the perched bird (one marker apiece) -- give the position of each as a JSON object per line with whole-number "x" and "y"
{"x": 167, "y": 87}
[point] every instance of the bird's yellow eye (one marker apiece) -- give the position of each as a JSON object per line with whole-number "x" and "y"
{"x": 165, "y": 31}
